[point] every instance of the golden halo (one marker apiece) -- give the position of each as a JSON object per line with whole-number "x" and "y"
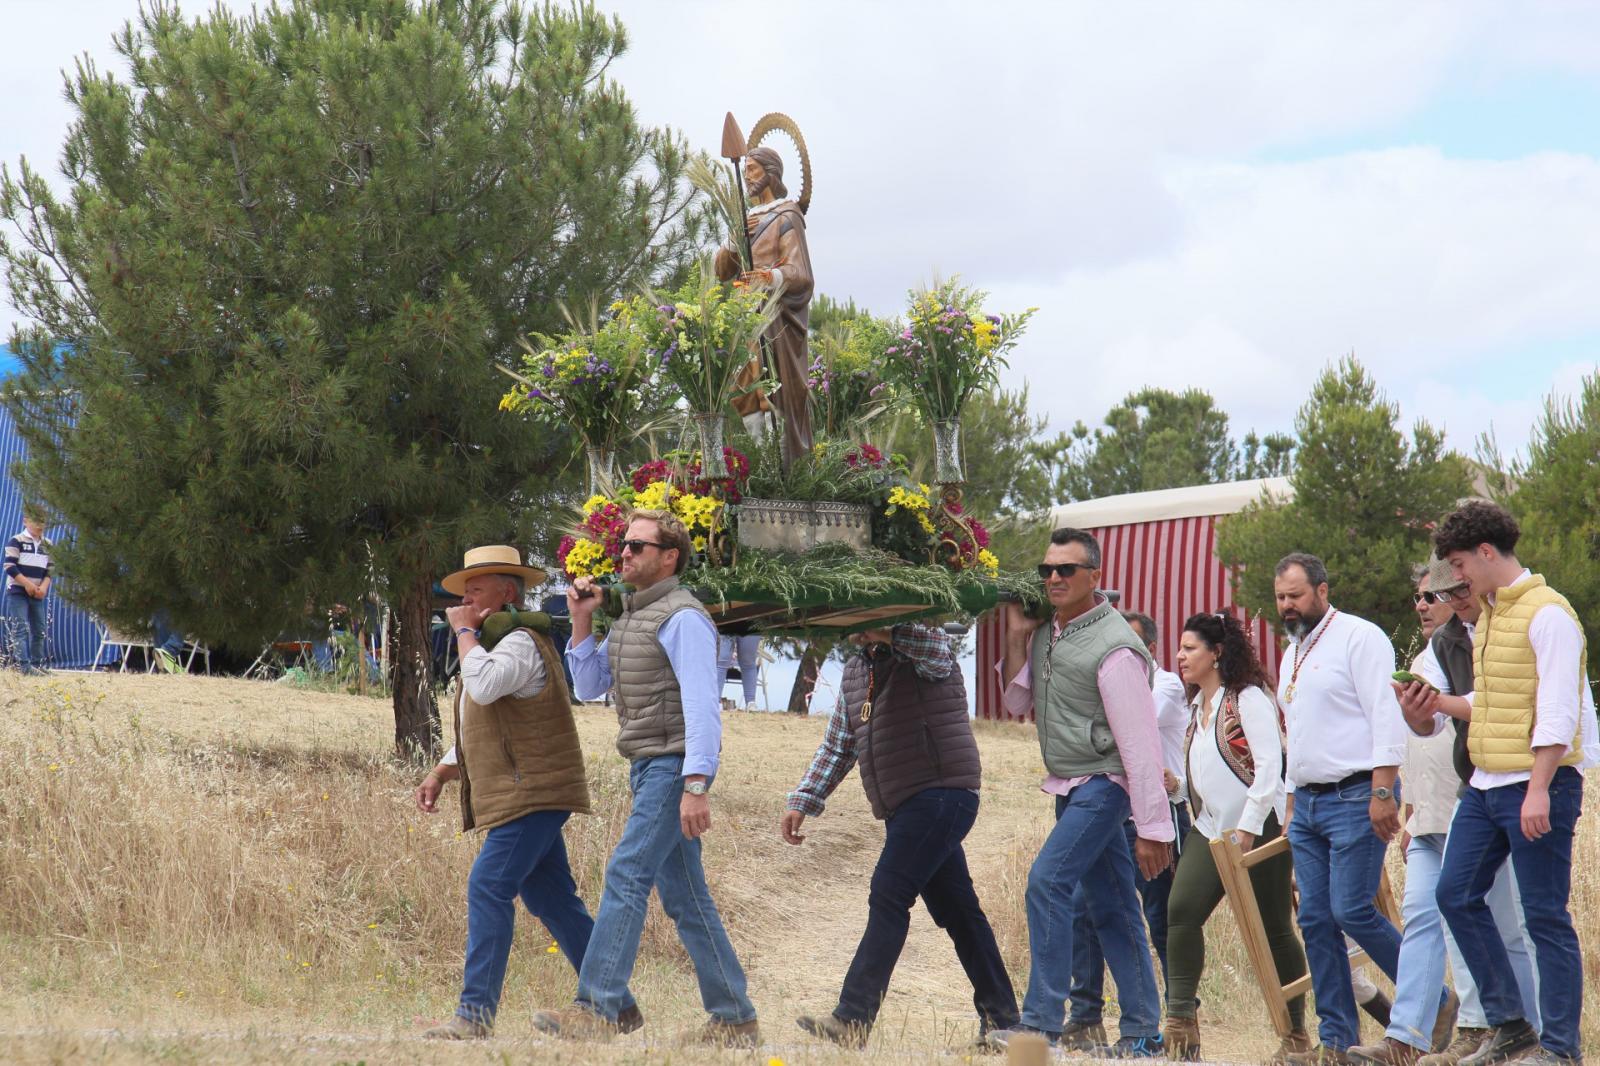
{"x": 782, "y": 122}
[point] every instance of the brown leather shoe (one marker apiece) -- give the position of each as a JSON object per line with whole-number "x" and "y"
{"x": 1468, "y": 1040}
{"x": 718, "y": 1033}
{"x": 1386, "y": 1052}
{"x": 1318, "y": 1056}
{"x": 575, "y": 1023}
{"x": 829, "y": 1027}
{"x": 1295, "y": 1043}
{"x": 1444, "y": 1026}
{"x": 1182, "y": 1038}
{"x": 459, "y": 1028}
{"x": 630, "y": 1019}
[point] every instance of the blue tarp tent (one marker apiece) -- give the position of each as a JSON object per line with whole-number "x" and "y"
{"x": 74, "y": 635}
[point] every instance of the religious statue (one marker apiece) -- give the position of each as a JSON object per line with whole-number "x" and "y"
{"x": 775, "y": 231}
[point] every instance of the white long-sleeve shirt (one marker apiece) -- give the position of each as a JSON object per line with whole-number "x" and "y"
{"x": 1225, "y": 803}
{"x": 1172, "y": 721}
{"x": 1343, "y": 717}
{"x": 514, "y": 668}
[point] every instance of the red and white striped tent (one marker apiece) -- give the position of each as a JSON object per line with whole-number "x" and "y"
{"x": 1158, "y": 550}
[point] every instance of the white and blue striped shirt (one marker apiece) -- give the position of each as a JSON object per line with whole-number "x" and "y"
{"x": 26, "y": 557}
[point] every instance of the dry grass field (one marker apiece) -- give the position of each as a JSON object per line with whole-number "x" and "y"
{"x": 198, "y": 870}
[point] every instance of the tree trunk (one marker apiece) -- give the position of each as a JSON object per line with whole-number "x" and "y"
{"x": 805, "y": 680}
{"x": 416, "y": 713}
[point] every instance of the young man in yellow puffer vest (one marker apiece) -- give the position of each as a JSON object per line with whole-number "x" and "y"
{"x": 1529, "y": 669}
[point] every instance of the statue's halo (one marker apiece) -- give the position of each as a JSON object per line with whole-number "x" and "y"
{"x": 783, "y": 123}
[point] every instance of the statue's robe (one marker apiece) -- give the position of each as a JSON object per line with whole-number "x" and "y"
{"x": 779, "y": 245}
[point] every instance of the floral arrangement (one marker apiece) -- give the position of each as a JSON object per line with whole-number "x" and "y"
{"x": 675, "y": 483}
{"x": 904, "y": 520}
{"x": 703, "y": 335}
{"x": 846, "y": 388}
{"x": 947, "y": 348}
{"x": 595, "y": 382}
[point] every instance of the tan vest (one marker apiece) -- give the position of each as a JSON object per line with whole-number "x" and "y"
{"x": 649, "y": 701}
{"x": 1506, "y": 679}
{"x": 518, "y": 756}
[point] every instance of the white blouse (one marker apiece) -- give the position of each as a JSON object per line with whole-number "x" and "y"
{"x": 1225, "y": 803}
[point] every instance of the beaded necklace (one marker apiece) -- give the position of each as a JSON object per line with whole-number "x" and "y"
{"x": 1288, "y": 693}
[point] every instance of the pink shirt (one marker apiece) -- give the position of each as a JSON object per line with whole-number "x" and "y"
{"x": 1131, "y": 713}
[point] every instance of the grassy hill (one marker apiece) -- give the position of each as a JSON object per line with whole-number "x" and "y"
{"x": 203, "y": 870}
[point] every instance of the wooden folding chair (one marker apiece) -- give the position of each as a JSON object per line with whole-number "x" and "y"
{"x": 1233, "y": 867}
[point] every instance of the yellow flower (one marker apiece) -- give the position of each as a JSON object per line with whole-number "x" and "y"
{"x": 594, "y": 503}
{"x": 922, "y": 520}
{"x": 511, "y": 401}
{"x": 655, "y": 497}
{"x": 699, "y": 542}
{"x": 989, "y": 561}
{"x": 553, "y": 949}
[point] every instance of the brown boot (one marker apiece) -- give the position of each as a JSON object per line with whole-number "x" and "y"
{"x": 1295, "y": 1043}
{"x": 1444, "y": 1025}
{"x": 1387, "y": 1052}
{"x": 1466, "y": 1042}
{"x": 575, "y": 1023}
{"x": 1319, "y": 1056}
{"x": 630, "y": 1019}
{"x": 1182, "y": 1038}
{"x": 718, "y": 1033}
{"x": 829, "y": 1027}
{"x": 459, "y": 1028}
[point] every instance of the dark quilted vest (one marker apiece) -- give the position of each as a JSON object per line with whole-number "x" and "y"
{"x": 918, "y": 736}
{"x": 1454, "y": 648}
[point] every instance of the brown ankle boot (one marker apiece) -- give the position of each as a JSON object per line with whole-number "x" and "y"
{"x": 1182, "y": 1038}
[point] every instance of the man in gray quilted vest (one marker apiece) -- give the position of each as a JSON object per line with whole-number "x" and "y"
{"x": 659, "y": 662}
{"x": 902, "y": 714}
{"x": 1086, "y": 675}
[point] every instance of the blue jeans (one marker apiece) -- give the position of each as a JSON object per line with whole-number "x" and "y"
{"x": 1505, "y": 903}
{"x": 1418, "y": 994}
{"x": 1088, "y": 846}
{"x": 922, "y": 855}
{"x": 654, "y": 853}
{"x": 525, "y": 857}
{"x": 1338, "y": 863}
{"x": 26, "y": 620}
{"x": 1486, "y": 828}
{"x": 1088, "y": 963}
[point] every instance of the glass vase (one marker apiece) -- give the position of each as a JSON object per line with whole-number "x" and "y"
{"x": 708, "y": 429}
{"x": 602, "y": 463}
{"x": 947, "y": 452}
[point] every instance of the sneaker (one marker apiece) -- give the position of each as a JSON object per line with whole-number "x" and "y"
{"x": 1083, "y": 1036}
{"x": 830, "y": 1027}
{"x": 1503, "y": 1044}
{"x": 1132, "y": 1047}
{"x": 576, "y": 1022}
{"x": 718, "y": 1033}
{"x": 1445, "y": 1023}
{"x": 459, "y": 1028}
{"x": 1387, "y": 1052}
{"x": 1467, "y": 1041}
{"x": 1000, "y": 1039}
{"x": 1318, "y": 1056}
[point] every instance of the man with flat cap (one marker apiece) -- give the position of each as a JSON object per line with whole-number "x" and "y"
{"x": 780, "y": 261}
{"x": 521, "y": 770}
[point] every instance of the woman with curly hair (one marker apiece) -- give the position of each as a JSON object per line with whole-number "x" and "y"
{"x": 1234, "y": 758}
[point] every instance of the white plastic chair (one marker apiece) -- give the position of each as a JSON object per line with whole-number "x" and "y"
{"x": 111, "y": 638}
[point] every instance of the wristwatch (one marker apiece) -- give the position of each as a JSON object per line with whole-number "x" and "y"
{"x": 696, "y": 788}
{"x": 1383, "y": 793}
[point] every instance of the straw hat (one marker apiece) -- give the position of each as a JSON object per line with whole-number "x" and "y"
{"x": 491, "y": 559}
{"x": 1440, "y": 577}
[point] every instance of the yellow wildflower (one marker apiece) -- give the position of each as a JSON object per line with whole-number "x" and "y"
{"x": 922, "y": 520}
{"x": 989, "y": 561}
{"x": 594, "y": 503}
{"x": 655, "y": 497}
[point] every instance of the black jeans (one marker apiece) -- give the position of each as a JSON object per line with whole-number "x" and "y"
{"x": 922, "y": 856}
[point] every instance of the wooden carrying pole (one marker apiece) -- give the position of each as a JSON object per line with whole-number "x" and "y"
{"x": 1233, "y": 868}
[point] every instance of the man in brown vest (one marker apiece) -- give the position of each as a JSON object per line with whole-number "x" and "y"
{"x": 659, "y": 661}
{"x": 521, "y": 770}
{"x": 903, "y": 714}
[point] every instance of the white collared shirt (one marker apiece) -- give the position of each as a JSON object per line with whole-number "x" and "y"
{"x": 1172, "y": 721}
{"x": 1226, "y": 803}
{"x": 1344, "y": 717}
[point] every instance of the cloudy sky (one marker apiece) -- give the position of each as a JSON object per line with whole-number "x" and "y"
{"x": 1219, "y": 195}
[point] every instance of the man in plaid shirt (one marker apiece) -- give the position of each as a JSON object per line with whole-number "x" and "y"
{"x": 902, "y": 715}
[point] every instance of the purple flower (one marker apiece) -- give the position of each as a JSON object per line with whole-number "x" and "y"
{"x": 995, "y": 319}
{"x": 890, "y": 351}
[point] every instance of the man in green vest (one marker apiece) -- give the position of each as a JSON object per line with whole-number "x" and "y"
{"x": 659, "y": 662}
{"x": 520, "y": 766}
{"x": 1529, "y": 668}
{"x": 1086, "y": 676}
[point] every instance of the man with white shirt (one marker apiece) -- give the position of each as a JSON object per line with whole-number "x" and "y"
{"x": 1526, "y": 794}
{"x": 1086, "y": 675}
{"x": 522, "y": 776}
{"x": 1085, "y": 1027}
{"x": 659, "y": 662}
{"x": 1346, "y": 740}
{"x": 1446, "y": 664}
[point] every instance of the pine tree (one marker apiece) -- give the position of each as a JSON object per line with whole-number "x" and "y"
{"x": 1365, "y": 501}
{"x": 294, "y": 247}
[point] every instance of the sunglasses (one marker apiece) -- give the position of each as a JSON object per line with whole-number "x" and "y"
{"x": 1062, "y": 570}
{"x": 637, "y": 547}
{"x": 1460, "y": 592}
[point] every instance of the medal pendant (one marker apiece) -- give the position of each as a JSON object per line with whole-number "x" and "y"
{"x": 1288, "y": 693}
{"x": 866, "y": 711}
